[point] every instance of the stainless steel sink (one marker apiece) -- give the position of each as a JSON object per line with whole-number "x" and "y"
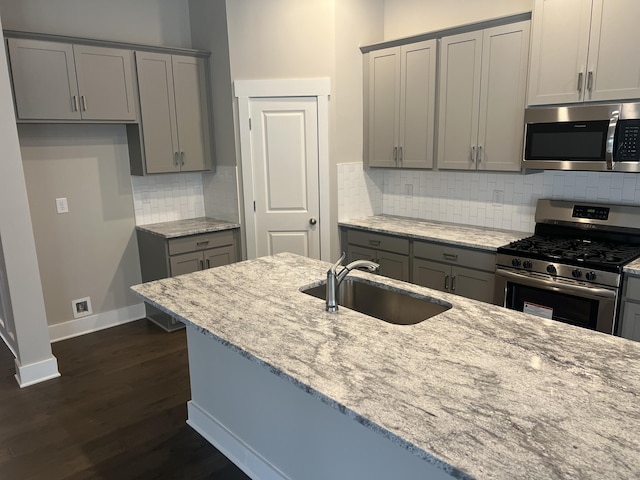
{"x": 379, "y": 301}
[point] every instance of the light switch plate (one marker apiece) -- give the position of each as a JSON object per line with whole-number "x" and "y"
{"x": 62, "y": 206}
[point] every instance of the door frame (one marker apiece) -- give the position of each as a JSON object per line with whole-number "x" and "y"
{"x": 244, "y": 91}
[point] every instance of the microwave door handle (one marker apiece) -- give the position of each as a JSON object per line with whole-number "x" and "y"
{"x": 613, "y": 121}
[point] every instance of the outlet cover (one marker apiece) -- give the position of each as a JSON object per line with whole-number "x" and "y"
{"x": 81, "y": 307}
{"x": 62, "y": 206}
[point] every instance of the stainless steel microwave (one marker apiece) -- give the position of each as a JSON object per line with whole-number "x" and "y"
{"x": 601, "y": 137}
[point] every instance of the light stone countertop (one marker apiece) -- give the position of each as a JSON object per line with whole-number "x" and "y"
{"x": 483, "y": 238}
{"x": 481, "y": 391}
{"x": 633, "y": 268}
{"x": 190, "y": 226}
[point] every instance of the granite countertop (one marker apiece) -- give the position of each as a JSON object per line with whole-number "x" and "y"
{"x": 190, "y": 226}
{"x": 481, "y": 391}
{"x": 633, "y": 268}
{"x": 483, "y": 238}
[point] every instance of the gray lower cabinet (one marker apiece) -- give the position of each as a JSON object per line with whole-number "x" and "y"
{"x": 392, "y": 253}
{"x": 630, "y": 309}
{"x": 58, "y": 81}
{"x": 162, "y": 258}
{"x": 466, "y": 272}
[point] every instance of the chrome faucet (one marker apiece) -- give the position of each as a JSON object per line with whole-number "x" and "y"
{"x": 334, "y": 279}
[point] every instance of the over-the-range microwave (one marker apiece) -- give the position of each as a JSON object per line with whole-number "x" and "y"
{"x": 600, "y": 137}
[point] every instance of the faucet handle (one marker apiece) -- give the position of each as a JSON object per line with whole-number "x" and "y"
{"x": 339, "y": 262}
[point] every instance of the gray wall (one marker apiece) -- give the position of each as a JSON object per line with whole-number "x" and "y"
{"x": 90, "y": 251}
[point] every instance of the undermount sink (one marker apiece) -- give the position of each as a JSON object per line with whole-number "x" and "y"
{"x": 379, "y": 301}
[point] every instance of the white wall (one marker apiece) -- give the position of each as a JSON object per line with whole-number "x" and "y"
{"x": 403, "y": 18}
{"x": 150, "y": 22}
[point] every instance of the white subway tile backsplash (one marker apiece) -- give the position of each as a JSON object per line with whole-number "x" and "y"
{"x": 467, "y": 197}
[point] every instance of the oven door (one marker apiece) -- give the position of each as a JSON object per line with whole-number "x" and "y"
{"x": 590, "y": 307}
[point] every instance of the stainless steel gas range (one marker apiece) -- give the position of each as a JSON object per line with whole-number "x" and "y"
{"x": 570, "y": 270}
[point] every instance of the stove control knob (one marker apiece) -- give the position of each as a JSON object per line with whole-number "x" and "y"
{"x": 516, "y": 262}
{"x": 527, "y": 264}
{"x": 551, "y": 269}
{"x": 577, "y": 273}
{"x": 591, "y": 276}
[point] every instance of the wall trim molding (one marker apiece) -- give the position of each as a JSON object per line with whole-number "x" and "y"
{"x": 33, "y": 373}
{"x": 245, "y": 458}
{"x": 320, "y": 88}
{"x": 96, "y": 322}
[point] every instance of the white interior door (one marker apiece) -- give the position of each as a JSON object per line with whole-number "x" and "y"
{"x": 284, "y": 158}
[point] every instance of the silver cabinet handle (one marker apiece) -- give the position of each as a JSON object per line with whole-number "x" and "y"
{"x": 375, "y": 243}
{"x": 83, "y": 102}
{"x": 453, "y": 283}
{"x": 182, "y": 158}
{"x": 208, "y": 263}
{"x": 589, "y": 80}
{"x": 202, "y": 243}
{"x": 446, "y": 283}
{"x": 201, "y": 265}
{"x": 473, "y": 154}
{"x": 75, "y": 103}
{"x": 313, "y": 221}
{"x": 175, "y": 159}
{"x": 479, "y": 155}
{"x": 450, "y": 256}
{"x": 400, "y": 156}
{"x": 395, "y": 155}
{"x": 579, "y": 87}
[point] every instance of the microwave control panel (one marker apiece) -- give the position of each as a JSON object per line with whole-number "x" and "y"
{"x": 628, "y": 141}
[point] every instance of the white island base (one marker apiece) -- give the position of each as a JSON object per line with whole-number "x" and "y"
{"x": 273, "y": 429}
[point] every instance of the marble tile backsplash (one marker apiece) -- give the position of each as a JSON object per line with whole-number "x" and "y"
{"x": 498, "y": 200}
{"x": 166, "y": 197}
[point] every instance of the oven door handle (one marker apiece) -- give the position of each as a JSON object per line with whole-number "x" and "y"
{"x": 592, "y": 292}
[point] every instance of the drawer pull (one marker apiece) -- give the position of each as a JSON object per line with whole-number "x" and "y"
{"x": 202, "y": 243}
{"x": 453, "y": 283}
{"x": 375, "y": 243}
{"x": 450, "y": 256}
{"x": 446, "y": 283}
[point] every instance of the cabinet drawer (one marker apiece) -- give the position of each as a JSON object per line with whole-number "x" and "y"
{"x": 455, "y": 255}
{"x": 378, "y": 241}
{"x": 200, "y": 242}
{"x": 632, "y": 289}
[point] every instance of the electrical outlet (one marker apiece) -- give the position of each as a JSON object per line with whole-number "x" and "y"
{"x": 408, "y": 189}
{"x": 498, "y": 197}
{"x": 62, "y": 206}
{"x": 81, "y": 307}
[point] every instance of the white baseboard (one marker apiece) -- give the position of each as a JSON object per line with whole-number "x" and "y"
{"x": 36, "y": 372}
{"x": 93, "y": 323}
{"x": 247, "y": 460}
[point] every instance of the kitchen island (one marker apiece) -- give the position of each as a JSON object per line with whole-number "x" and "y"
{"x": 287, "y": 390}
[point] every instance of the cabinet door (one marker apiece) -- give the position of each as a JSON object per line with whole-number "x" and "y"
{"x": 393, "y": 265}
{"x": 186, "y": 263}
{"x": 560, "y": 41}
{"x": 105, "y": 83}
{"x": 459, "y": 100}
{"x": 44, "y": 80}
{"x": 355, "y": 252}
{"x": 383, "y": 107}
{"x": 192, "y": 112}
{"x": 158, "y": 112}
{"x": 613, "y": 70}
{"x": 217, "y": 257}
{"x": 505, "y": 55}
{"x": 630, "y": 327}
{"x": 431, "y": 274}
{"x": 473, "y": 284}
{"x": 417, "y": 104}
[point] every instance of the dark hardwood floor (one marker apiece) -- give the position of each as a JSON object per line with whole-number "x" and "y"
{"x": 117, "y": 412}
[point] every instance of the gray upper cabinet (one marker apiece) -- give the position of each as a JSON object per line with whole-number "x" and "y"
{"x": 483, "y": 78}
{"x": 584, "y": 50}
{"x": 62, "y": 81}
{"x": 174, "y": 112}
{"x": 400, "y": 106}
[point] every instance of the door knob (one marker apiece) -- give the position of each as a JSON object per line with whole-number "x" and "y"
{"x": 313, "y": 221}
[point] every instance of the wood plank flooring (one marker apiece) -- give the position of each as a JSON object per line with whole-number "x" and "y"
{"x": 117, "y": 412}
